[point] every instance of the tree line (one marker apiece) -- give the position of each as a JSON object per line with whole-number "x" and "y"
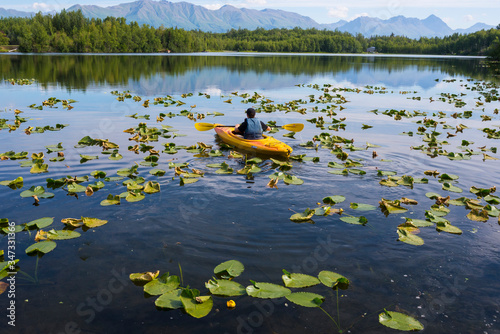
{"x": 71, "y": 32}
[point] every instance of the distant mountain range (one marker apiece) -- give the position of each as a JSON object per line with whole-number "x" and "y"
{"x": 193, "y": 17}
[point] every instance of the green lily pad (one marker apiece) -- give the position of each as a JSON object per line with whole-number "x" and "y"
{"x": 224, "y": 169}
{"x": 419, "y": 222}
{"x": 362, "y": 207}
{"x": 432, "y": 195}
{"x": 447, "y": 227}
{"x": 492, "y": 210}
{"x": 170, "y": 300}
{"x": 157, "y": 172}
{"x": 306, "y": 299}
{"x": 225, "y": 288}
{"x": 297, "y": 280}
{"x": 188, "y": 180}
{"x": 115, "y": 156}
{"x": 399, "y": 321}
{"x": 54, "y": 148}
{"x": 162, "y": 284}
{"x": 302, "y": 216}
{"x": 355, "y": 220}
{"x": 334, "y": 164}
{"x": 481, "y": 192}
{"x": 76, "y": 188}
{"x": 134, "y": 196}
{"x": 292, "y": 179}
{"x": 333, "y": 280}
{"x": 39, "y": 168}
{"x": 478, "y": 215}
{"x": 38, "y": 191}
{"x": 18, "y": 183}
{"x": 59, "y": 234}
{"x": 233, "y": 268}
{"x": 93, "y": 222}
{"x": 391, "y": 207}
{"x": 111, "y": 200}
{"x": 143, "y": 278}
{"x": 152, "y": 187}
{"x": 41, "y": 247}
{"x": 491, "y": 199}
{"x": 41, "y": 222}
{"x": 98, "y": 174}
{"x": 409, "y": 238}
{"x": 385, "y": 173}
{"x": 332, "y": 200}
{"x": 267, "y": 290}
{"x": 195, "y": 305}
{"x": 449, "y": 187}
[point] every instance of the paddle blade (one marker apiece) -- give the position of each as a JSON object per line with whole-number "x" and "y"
{"x": 204, "y": 126}
{"x": 295, "y": 127}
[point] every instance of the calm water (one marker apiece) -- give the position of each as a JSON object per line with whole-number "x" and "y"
{"x": 450, "y": 283}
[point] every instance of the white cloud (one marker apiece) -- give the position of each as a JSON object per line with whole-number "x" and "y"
{"x": 338, "y": 12}
{"x": 43, "y": 7}
{"x": 447, "y": 20}
{"x": 469, "y": 18}
{"x": 214, "y": 6}
{"x": 257, "y": 2}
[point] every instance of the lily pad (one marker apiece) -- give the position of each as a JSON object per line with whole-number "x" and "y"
{"x": 18, "y": 183}
{"x": 355, "y": 220}
{"x": 399, "y": 321}
{"x": 41, "y": 247}
{"x": 38, "y": 191}
{"x": 170, "y": 300}
{"x": 478, "y": 215}
{"x": 111, "y": 200}
{"x": 292, "y": 179}
{"x": 233, "y": 268}
{"x": 449, "y": 187}
{"x": 151, "y": 187}
{"x": 76, "y": 188}
{"x": 333, "y": 280}
{"x": 447, "y": 227}
{"x": 391, "y": 207}
{"x": 58, "y": 235}
{"x": 225, "y": 288}
{"x": 409, "y": 238}
{"x": 267, "y": 290}
{"x": 157, "y": 172}
{"x": 362, "y": 207}
{"x": 133, "y": 196}
{"x": 162, "y": 284}
{"x": 297, "y": 280}
{"x": 143, "y": 278}
{"x": 302, "y": 216}
{"x": 93, "y": 222}
{"x": 332, "y": 200}
{"x": 306, "y": 299}
{"x": 41, "y": 222}
{"x": 195, "y": 305}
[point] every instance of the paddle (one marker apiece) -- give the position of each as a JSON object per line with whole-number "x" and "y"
{"x": 295, "y": 127}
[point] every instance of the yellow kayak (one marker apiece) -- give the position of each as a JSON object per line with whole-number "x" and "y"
{"x": 267, "y": 145}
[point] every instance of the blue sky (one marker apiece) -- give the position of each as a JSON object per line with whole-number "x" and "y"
{"x": 456, "y": 13}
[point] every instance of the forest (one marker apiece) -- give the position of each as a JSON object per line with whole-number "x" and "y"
{"x": 71, "y": 32}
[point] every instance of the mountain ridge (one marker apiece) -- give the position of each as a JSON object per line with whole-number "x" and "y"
{"x": 193, "y": 17}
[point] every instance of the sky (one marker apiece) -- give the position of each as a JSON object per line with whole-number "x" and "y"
{"x": 456, "y": 13}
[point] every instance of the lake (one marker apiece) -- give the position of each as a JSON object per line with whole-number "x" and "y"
{"x": 378, "y": 129}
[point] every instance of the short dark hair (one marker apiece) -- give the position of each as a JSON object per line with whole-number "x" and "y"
{"x": 250, "y": 112}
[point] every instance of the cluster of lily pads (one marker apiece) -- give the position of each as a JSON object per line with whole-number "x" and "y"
{"x": 20, "y": 82}
{"x": 44, "y": 240}
{"x": 171, "y": 295}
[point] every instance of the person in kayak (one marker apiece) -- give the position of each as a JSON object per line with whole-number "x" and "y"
{"x": 251, "y": 128}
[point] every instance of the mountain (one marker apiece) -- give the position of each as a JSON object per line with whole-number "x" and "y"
{"x": 192, "y": 17}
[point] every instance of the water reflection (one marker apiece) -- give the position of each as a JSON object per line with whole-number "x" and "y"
{"x": 154, "y": 74}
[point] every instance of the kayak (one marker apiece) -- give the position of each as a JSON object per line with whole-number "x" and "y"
{"x": 267, "y": 145}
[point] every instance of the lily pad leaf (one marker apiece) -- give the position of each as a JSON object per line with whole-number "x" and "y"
{"x": 333, "y": 280}
{"x": 447, "y": 227}
{"x": 389, "y": 207}
{"x": 233, "y": 268}
{"x": 225, "y": 288}
{"x": 478, "y": 215}
{"x": 39, "y": 168}
{"x": 409, "y": 238}
{"x": 41, "y": 247}
{"x": 267, "y": 290}
{"x": 157, "y": 172}
{"x": 332, "y": 200}
{"x": 162, "y": 284}
{"x": 76, "y": 188}
{"x": 33, "y": 191}
{"x": 41, "y": 222}
{"x": 296, "y": 280}
{"x": 292, "y": 179}
{"x": 306, "y": 299}
{"x": 399, "y": 321}
{"x": 302, "y": 216}
{"x": 449, "y": 187}
{"x": 355, "y": 220}
{"x": 13, "y": 184}
{"x": 170, "y": 300}
{"x": 134, "y": 196}
{"x": 58, "y": 235}
{"x": 111, "y": 200}
{"x": 151, "y": 187}
{"x": 195, "y": 305}
{"x": 93, "y": 222}
{"x": 143, "y": 278}
{"x": 362, "y": 207}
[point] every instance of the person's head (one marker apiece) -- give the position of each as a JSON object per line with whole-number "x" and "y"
{"x": 250, "y": 112}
